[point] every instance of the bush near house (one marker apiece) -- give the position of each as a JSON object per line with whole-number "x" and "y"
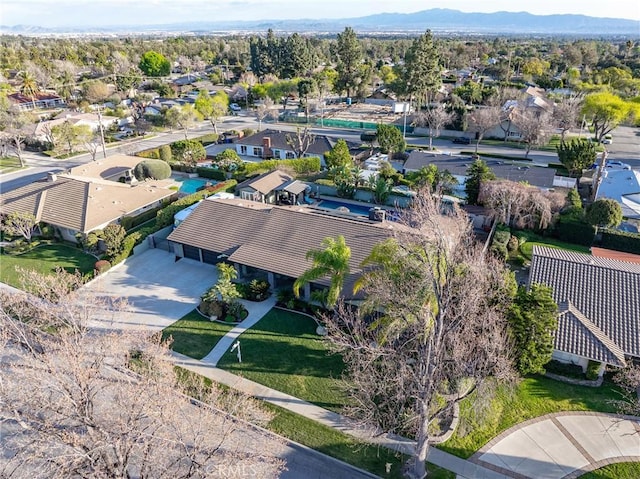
{"x": 301, "y": 166}
{"x": 621, "y": 241}
{"x": 152, "y": 169}
{"x": 211, "y": 173}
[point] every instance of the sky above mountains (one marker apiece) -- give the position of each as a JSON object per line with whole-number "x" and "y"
{"x": 83, "y": 13}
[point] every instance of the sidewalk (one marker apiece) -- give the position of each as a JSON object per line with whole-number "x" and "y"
{"x": 256, "y": 312}
{"x": 465, "y": 469}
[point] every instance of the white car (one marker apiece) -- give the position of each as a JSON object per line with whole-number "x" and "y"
{"x": 235, "y": 107}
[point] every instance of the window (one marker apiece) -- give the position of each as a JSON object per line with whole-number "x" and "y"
{"x": 243, "y": 149}
{"x": 257, "y": 151}
{"x": 276, "y": 153}
{"x": 290, "y": 155}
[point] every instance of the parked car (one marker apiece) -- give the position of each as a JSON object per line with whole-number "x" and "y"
{"x": 235, "y": 107}
{"x": 461, "y": 140}
{"x": 607, "y": 140}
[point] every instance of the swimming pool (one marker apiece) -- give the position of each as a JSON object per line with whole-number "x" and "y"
{"x": 191, "y": 185}
{"x": 361, "y": 210}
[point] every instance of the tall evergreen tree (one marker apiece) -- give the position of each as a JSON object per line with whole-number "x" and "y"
{"x": 422, "y": 68}
{"x": 349, "y": 54}
{"x": 476, "y": 174}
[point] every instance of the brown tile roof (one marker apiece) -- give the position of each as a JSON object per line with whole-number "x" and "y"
{"x": 275, "y": 238}
{"x": 266, "y": 182}
{"x": 81, "y": 203}
{"x": 602, "y": 291}
{"x": 107, "y": 167}
{"x": 619, "y": 255}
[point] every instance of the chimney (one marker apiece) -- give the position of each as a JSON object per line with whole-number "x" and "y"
{"x": 376, "y": 214}
{"x": 51, "y": 177}
{"x": 266, "y": 147}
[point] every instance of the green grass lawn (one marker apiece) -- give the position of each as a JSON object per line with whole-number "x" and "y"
{"x": 623, "y": 470}
{"x": 45, "y": 259}
{"x": 526, "y": 249}
{"x": 9, "y": 164}
{"x": 533, "y": 397}
{"x": 194, "y": 335}
{"x": 283, "y": 352}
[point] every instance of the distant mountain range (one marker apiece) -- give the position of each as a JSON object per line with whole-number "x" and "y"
{"x": 438, "y": 20}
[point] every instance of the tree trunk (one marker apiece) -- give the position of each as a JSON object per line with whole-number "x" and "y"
{"x": 418, "y": 468}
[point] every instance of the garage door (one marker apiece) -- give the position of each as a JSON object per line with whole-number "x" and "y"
{"x": 210, "y": 257}
{"x": 191, "y": 252}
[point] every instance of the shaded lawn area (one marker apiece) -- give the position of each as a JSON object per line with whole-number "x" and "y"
{"x": 194, "y": 335}
{"x": 9, "y": 164}
{"x": 45, "y": 259}
{"x": 623, "y": 470}
{"x": 526, "y": 249}
{"x": 336, "y": 444}
{"x": 533, "y": 397}
{"x": 282, "y": 351}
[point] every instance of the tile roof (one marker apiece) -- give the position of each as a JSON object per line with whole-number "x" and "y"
{"x": 275, "y": 238}
{"x": 457, "y": 165}
{"x": 84, "y": 203}
{"x": 320, "y": 146}
{"x": 266, "y": 182}
{"x": 604, "y": 295}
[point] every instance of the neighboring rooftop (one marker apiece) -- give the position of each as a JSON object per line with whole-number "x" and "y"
{"x": 320, "y": 146}
{"x": 599, "y": 301}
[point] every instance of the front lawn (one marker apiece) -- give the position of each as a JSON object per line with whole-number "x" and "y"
{"x": 9, "y": 164}
{"x": 194, "y": 335}
{"x": 532, "y": 239}
{"x": 282, "y": 351}
{"x": 45, "y": 259}
{"x": 622, "y": 470}
{"x": 534, "y": 396}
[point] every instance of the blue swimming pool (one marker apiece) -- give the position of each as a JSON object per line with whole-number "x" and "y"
{"x": 362, "y": 210}
{"x": 191, "y": 185}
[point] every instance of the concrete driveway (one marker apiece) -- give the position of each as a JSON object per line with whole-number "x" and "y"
{"x": 159, "y": 290}
{"x": 562, "y": 445}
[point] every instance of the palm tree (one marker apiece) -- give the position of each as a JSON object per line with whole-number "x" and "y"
{"x": 28, "y": 85}
{"x": 332, "y": 261}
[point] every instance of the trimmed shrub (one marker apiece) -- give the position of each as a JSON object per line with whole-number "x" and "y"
{"x": 592, "y": 370}
{"x": 501, "y": 237}
{"x": 621, "y": 241}
{"x": 188, "y": 151}
{"x": 574, "y": 231}
{"x": 165, "y": 153}
{"x": 127, "y": 247}
{"x": 301, "y": 166}
{"x": 101, "y": 266}
{"x": 153, "y": 153}
{"x": 211, "y": 173}
{"x": 153, "y": 169}
{"x": 47, "y": 231}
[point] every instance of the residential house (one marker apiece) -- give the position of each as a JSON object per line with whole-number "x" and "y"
{"x": 274, "y": 187}
{"x": 87, "y": 197}
{"x": 599, "y": 305}
{"x": 41, "y": 131}
{"x": 41, "y": 100}
{"x": 623, "y": 186}
{"x": 273, "y": 240}
{"x": 273, "y": 144}
{"x": 538, "y": 176}
{"x": 534, "y": 100}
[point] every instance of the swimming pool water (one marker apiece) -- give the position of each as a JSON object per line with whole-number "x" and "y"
{"x": 191, "y": 185}
{"x": 362, "y": 210}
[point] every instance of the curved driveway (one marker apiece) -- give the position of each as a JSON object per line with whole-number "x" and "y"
{"x": 562, "y": 445}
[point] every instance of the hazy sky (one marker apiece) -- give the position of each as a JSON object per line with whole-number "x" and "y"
{"x": 127, "y": 12}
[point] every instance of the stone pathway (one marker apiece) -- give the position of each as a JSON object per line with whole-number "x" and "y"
{"x": 256, "y": 312}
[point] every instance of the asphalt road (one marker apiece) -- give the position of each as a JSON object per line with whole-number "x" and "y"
{"x": 625, "y": 147}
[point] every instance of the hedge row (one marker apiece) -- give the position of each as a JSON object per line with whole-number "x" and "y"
{"x": 572, "y": 230}
{"x": 301, "y": 166}
{"x": 621, "y": 241}
{"x": 211, "y": 173}
{"x": 130, "y": 222}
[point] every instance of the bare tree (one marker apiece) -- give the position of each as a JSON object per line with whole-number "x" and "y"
{"x": 519, "y": 204}
{"x": 484, "y": 119}
{"x": 301, "y": 141}
{"x": 78, "y": 409}
{"x": 264, "y": 111}
{"x": 565, "y": 114}
{"x": 629, "y": 381}
{"x": 183, "y": 117}
{"x": 431, "y": 329}
{"x": 13, "y": 125}
{"x": 20, "y": 224}
{"x": 506, "y": 99}
{"x": 434, "y": 119}
{"x": 533, "y": 126}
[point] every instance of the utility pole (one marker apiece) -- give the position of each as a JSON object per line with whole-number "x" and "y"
{"x": 104, "y": 150}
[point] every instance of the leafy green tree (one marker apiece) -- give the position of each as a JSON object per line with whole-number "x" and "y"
{"x": 349, "y": 54}
{"x": 113, "y": 236}
{"x": 28, "y": 85}
{"x": 67, "y": 136}
{"x": 183, "y": 117}
{"x": 189, "y": 152}
{"x": 422, "y": 68}
{"x": 533, "y": 320}
{"x": 154, "y": 64}
{"x": 390, "y": 139}
{"x": 331, "y": 262}
{"x": 382, "y": 188}
{"x": 577, "y": 155}
{"x": 213, "y": 107}
{"x": 476, "y": 174}
{"x": 228, "y": 160}
{"x": 152, "y": 169}
{"x": 573, "y": 198}
{"x": 606, "y": 111}
{"x": 339, "y": 155}
{"x": 604, "y": 212}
